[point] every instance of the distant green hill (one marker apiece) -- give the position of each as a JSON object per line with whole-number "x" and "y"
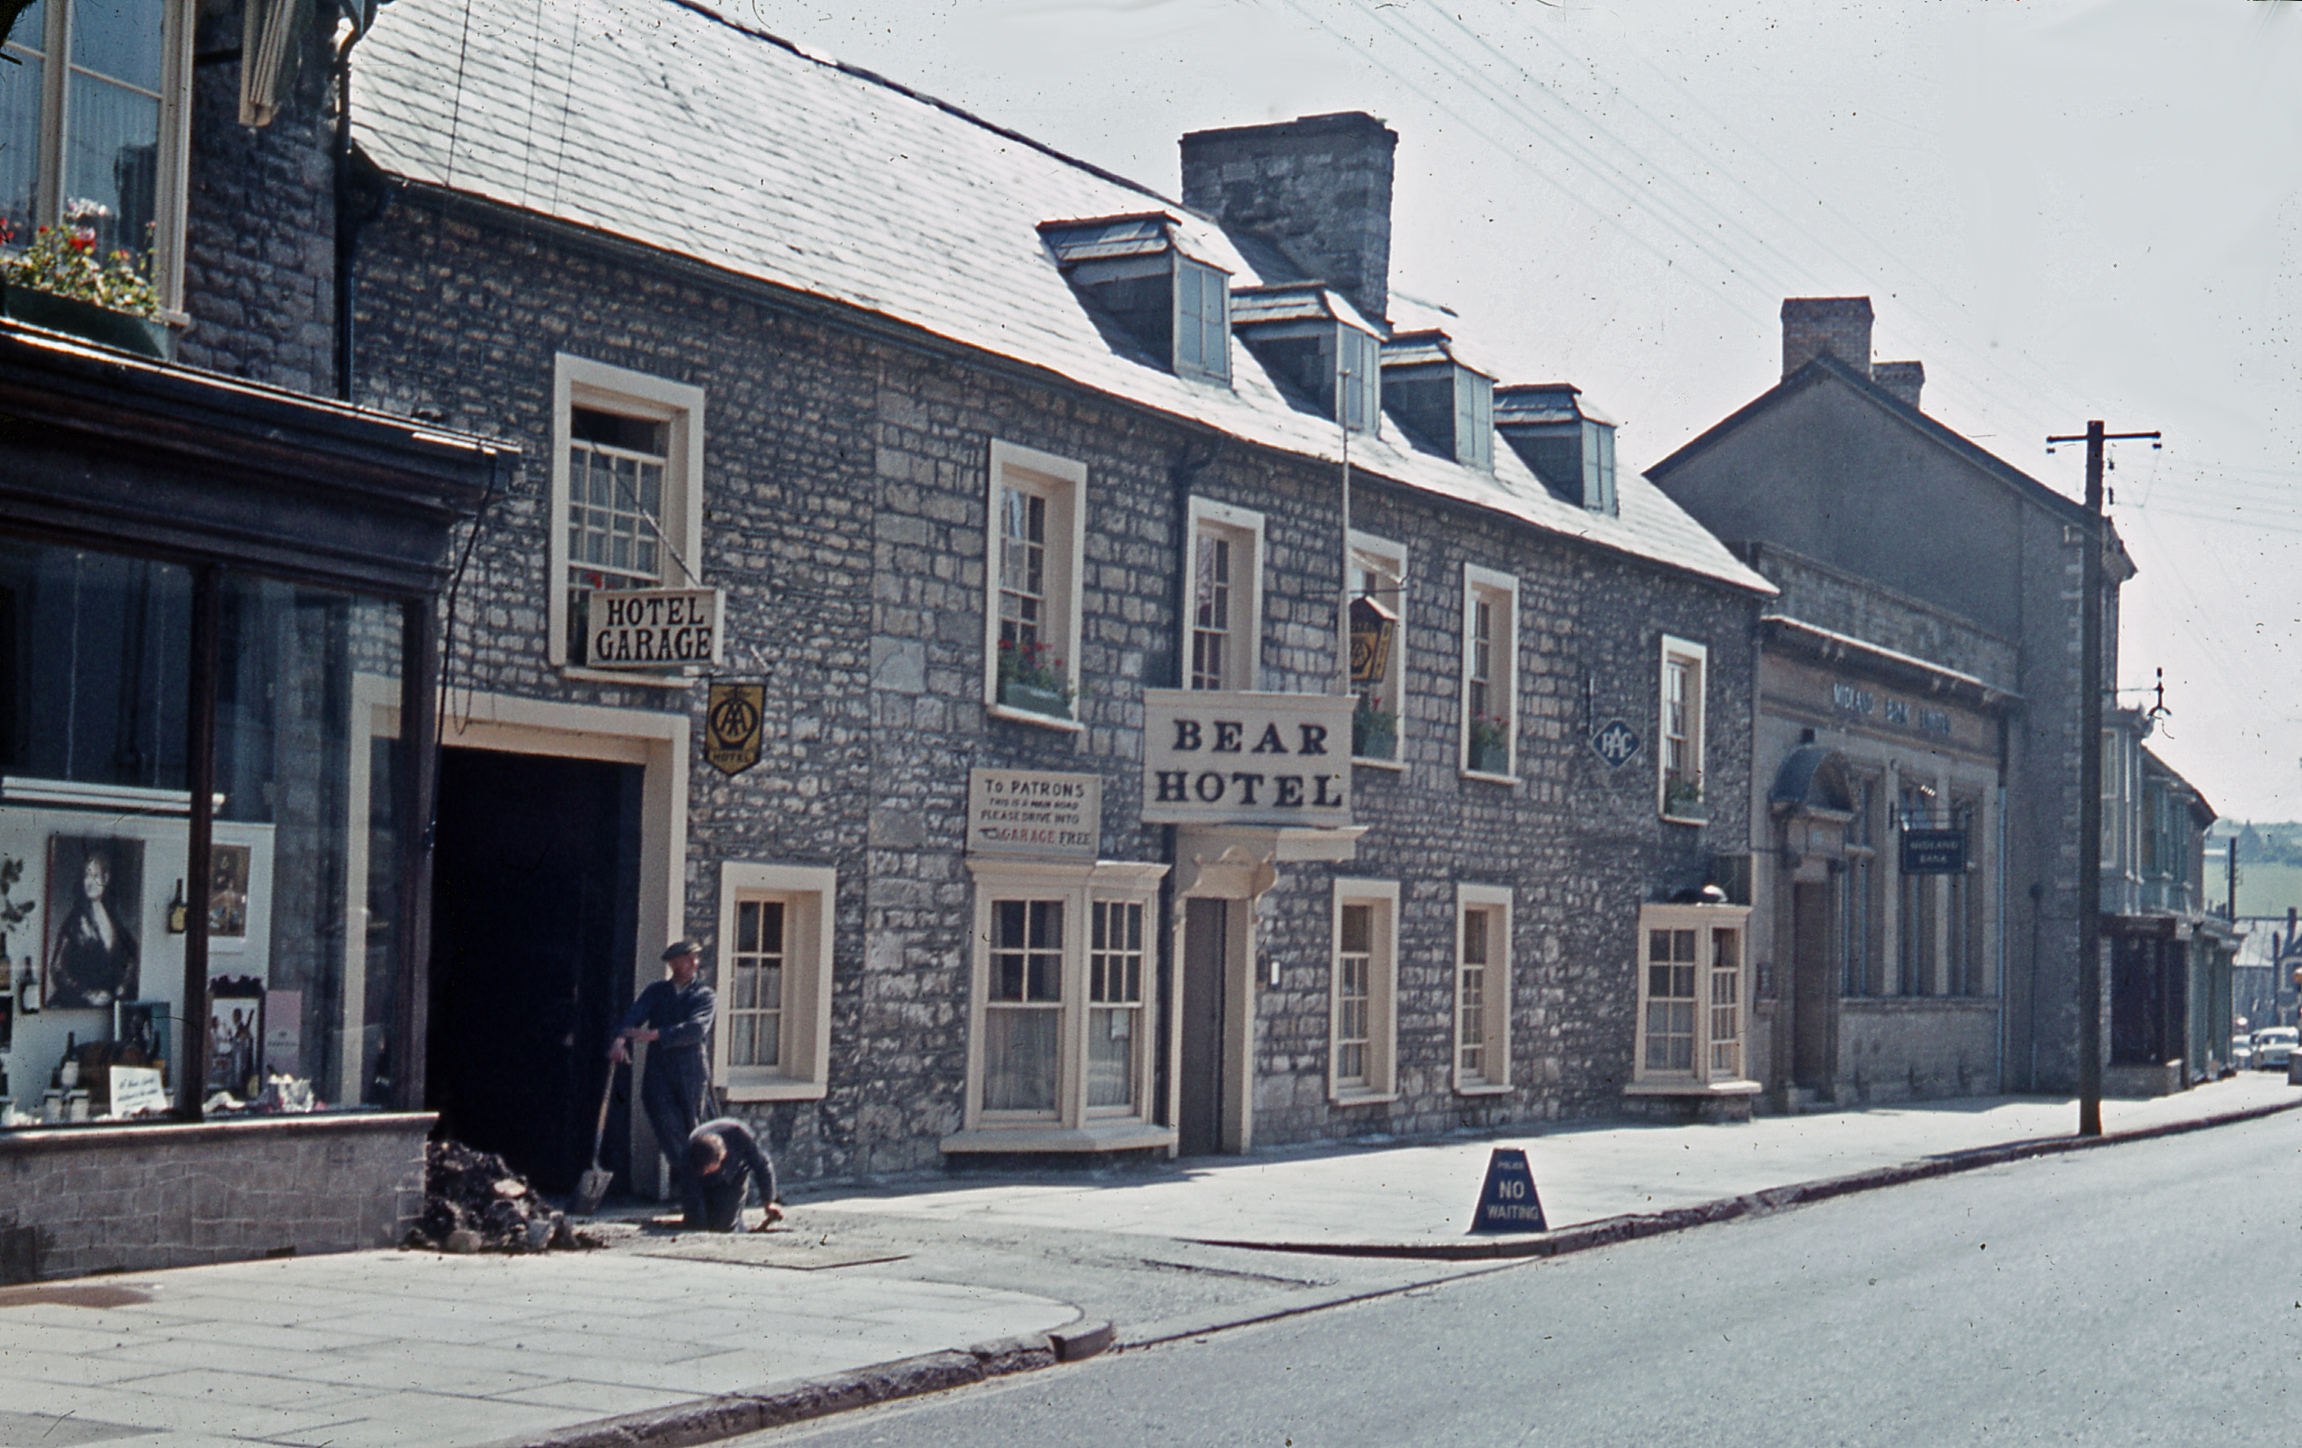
{"x": 2264, "y": 889}
{"x": 2269, "y": 865}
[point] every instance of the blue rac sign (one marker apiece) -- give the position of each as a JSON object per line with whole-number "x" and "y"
{"x": 1271, "y": 759}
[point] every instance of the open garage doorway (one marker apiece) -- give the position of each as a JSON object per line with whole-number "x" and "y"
{"x": 535, "y": 880}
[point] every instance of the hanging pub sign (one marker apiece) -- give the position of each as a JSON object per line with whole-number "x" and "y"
{"x": 651, "y": 628}
{"x": 1033, "y": 812}
{"x": 1213, "y": 757}
{"x": 1373, "y": 627}
{"x": 731, "y": 721}
{"x": 1934, "y": 852}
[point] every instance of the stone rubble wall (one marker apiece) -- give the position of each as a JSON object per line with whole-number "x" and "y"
{"x": 137, "y": 1197}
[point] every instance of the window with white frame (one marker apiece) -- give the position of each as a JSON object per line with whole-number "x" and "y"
{"x": 1679, "y": 762}
{"x": 1061, "y": 1035}
{"x": 1378, "y": 646}
{"x": 1202, "y": 320}
{"x": 1359, "y": 378}
{"x": 1116, "y": 1038}
{"x": 1031, "y": 622}
{"x": 1482, "y": 988}
{"x": 1691, "y": 1005}
{"x": 1490, "y": 661}
{"x": 1474, "y": 419}
{"x": 94, "y": 124}
{"x": 1362, "y": 1056}
{"x": 627, "y": 491}
{"x": 1226, "y": 597}
{"x": 773, "y": 1038}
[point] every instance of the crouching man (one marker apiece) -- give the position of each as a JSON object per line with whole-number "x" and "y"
{"x": 724, "y": 1159}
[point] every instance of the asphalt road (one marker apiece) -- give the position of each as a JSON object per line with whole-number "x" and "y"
{"x": 2145, "y": 1293}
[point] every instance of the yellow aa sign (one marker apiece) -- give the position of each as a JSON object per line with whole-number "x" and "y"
{"x": 731, "y": 726}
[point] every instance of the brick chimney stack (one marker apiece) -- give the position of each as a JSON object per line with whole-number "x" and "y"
{"x": 1903, "y": 379}
{"x": 1318, "y": 188}
{"x": 1815, "y": 325}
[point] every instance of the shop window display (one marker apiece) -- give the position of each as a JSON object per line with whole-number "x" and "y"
{"x": 297, "y": 896}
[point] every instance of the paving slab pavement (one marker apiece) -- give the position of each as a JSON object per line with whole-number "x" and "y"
{"x": 880, "y": 1291}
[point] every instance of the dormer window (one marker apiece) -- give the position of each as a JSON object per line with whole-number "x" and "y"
{"x": 1202, "y": 320}
{"x": 1133, "y": 270}
{"x": 1566, "y": 444}
{"x": 1310, "y": 337}
{"x": 1446, "y": 406}
{"x": 1474, "y": 419}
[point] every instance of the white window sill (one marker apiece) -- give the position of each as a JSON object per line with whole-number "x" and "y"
{"x": 1678, "y": 819}
{"x": 1489, "y": 778}
{"x": 1349, "y": 1096}
{"x": 776, "y": 1090}
{"x": 1362, "y": 761}
{"x": 1693, "y": 1088}
{"x": 1483, "y": 1088}
{"x": 1031, "y": 716}
{"x": 617, "y": 676}
{"x": 1111, "y": 1136}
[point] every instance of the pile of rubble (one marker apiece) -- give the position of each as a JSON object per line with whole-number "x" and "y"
{"x": 474, "y": 1202}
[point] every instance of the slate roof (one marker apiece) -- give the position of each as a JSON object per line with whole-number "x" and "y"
{"x": 663, "y": 124}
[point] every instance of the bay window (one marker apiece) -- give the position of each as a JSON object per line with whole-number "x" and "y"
{"x": 1060, "y": 1028}
{"x": 1692, "y": 997}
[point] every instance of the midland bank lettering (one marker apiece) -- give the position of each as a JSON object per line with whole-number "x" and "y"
{"x": 1240, "y": 758}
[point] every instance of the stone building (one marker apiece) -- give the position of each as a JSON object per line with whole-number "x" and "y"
{"x": 2171, "y": 950}
{"x": 1185, "y": 718}
{"x": 1916, "y": 786}
{"x": 205, "y": 560}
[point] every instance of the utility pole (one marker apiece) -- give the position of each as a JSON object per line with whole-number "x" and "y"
{"x": 2230, "y": 880}
{"x": 2091, "y": 685}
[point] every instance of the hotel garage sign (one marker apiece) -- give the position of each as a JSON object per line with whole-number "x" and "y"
{"x": 651, "y": 628}
{"x": 1267, "y": 759}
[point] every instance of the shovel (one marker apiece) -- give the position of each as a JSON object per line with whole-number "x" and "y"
{"x": 591, "y": 1187}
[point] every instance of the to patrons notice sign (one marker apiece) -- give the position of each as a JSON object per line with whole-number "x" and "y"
{"x": 1033, "y": 812}
{"x": 651, "y": 628}
{"x": 1224, "y": 758}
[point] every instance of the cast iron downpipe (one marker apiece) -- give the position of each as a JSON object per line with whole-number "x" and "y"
{"x": 347, "y": 224}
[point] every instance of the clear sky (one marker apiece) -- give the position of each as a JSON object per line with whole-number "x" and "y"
{"x": 2067, "y": 209}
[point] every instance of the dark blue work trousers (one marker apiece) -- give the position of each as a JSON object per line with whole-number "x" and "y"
{"x": 672, "y": 1095}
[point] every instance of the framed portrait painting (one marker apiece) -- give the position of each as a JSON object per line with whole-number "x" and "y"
{"x": 228, "y": 892}
{"x": 95, "y": 909}
{"x": 235, "y": 1035}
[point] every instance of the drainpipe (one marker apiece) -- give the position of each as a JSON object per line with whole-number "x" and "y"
{"x": 1998, "y": 887}
{"x": 347, "y": 225}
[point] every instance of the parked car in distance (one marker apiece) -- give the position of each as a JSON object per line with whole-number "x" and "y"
{"x": 2241, "y": 1051}
{"x": 2274, "y": 1046}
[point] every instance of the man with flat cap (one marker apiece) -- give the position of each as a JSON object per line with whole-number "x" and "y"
{"x": 674, "y": 1016}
